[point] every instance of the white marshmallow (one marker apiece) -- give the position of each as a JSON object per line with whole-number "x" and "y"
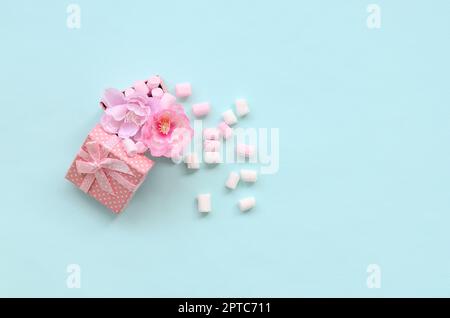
{"x": 232, "y": 181}
{"x": 204, "y": 203}
{"x": 242, "y": 107}
{"x": 211, "y": 134}
{"x": 192, "y": 161}
{"x": 225, "y": 130}
{"x": 211, "y": 145}
{"x": 229, "y": 117}
{"x": 247, "y": 204}
{"x": 154, "y": 82}
{"x": 212, "y": 157}
{"x": 249, "y": 175}
{"x": 157, "y": 92}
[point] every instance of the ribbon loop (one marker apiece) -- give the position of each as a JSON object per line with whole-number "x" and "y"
{"x": 98, "y": 167}
{"x": 116, "y": 165}
{"x": 85, "y": 166}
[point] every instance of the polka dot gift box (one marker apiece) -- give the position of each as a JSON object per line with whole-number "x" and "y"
{"x": 105, "y": 170}
{"x": 145, "y": 117}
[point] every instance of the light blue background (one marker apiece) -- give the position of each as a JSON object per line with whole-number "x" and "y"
{"x": 364, "y": 119}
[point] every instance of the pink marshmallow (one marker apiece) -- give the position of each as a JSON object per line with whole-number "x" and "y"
{"x": 211, "y": 145}
{"x": 242, "y": 107}
{"x": 154, "y": 82}
{"x": 183, "y": 90}
{"x": 247, "y": 204}
{"x": 201, "y": 109}
{"x": 211, "y": 134}
{"x": 245, "y": 150}
{"x": 232, "y": 181}
{"x": 225, "y": 131}
{"x": 141, "y": 88}
{"x": 229, "y": 117}
{"x": 157, "y": 92}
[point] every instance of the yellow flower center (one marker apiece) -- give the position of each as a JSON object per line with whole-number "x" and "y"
{"x": 164, "y": 126}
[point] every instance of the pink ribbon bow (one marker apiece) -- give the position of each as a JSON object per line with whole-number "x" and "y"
{"x": 97, "y": 166}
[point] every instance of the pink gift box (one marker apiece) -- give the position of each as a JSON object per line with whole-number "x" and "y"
{"x": 103, "y": 170}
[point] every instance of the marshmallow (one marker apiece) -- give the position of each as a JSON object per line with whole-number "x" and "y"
{"x": 242, "y": 107}
{"x": 130, "y": 147}
{"x": 229, "y": 117}
{"x": 204, "y": 203}
{"x": 141, "y": 88}
{"x": 211, "y": 145}
{"x": 183, "y": 90}
{"x": 247, "y": 204}
{"x": 157, "y": 92}
{"x": 167, "y": 100}
{"x": 225, "y": 131}
{"x": 232, "y": 181}
{"x": 192, "y": 161}
{"x": 212, "y": 157}
{"x": 249, "y": 175}
{"x": 211, "y": 134}
{"x": 154, "y": 82}
{"x": 201, "y": 109}
{"x": 244, "y": 150}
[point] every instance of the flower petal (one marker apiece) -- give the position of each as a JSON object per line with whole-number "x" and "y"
{"x": 157, "y": 151}
{"x": 157, "y": 146}
{"x": 139, "y": 110}
{"x": 117, "y": 112}
{"x": 113, "y": 97}
{"x": 109, "y": 124}
{"x": 128, "y": 130}
{"x": 155, "y": 104}
{"x": 129, "y": 92}
{"x": 138, "y": 136}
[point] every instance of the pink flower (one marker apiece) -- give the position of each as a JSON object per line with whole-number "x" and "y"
{"x": 125, "y": 115}
{"x": 167, "y": 132}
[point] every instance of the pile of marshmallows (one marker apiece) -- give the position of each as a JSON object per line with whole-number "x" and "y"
{"x": 211, "y": 147}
